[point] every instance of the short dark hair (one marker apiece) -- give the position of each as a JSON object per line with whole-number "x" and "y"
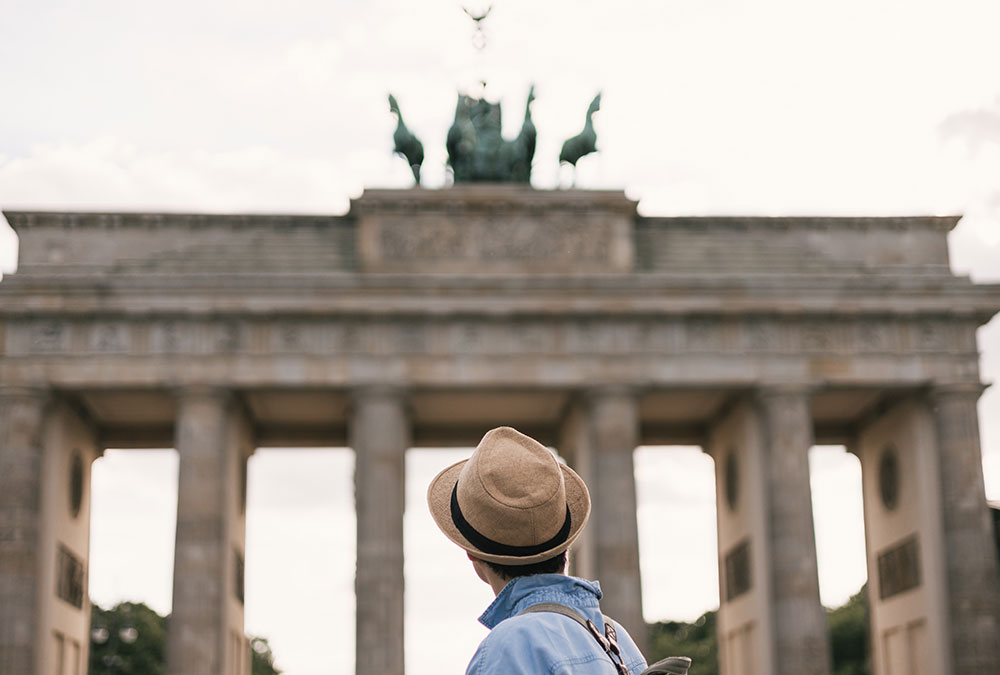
{"x": 554, "y": 565}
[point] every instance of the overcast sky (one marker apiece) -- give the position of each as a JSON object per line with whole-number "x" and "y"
{"x": 770, "y": 107}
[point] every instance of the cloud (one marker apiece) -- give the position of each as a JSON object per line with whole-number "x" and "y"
{"x": 112, "y": 174}
{"x": 977, "y": 126}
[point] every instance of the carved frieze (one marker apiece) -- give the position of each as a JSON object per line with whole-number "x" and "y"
{"x": 110, "y": 338}
{"x": 761, "y": 335}
{"x": 485, "y": 336}
{"x": 49, "y": 336}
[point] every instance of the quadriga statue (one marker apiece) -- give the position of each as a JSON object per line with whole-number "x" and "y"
{"x": 477, "y": 151}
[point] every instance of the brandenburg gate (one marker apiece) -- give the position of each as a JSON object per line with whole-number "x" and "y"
{"x": 426, "y": 317}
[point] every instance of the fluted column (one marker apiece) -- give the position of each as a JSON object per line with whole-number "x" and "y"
{"x": 576, "y": 448}
{"x": 211, "y": 438}
{"x": 380, "y": 436}
{"x": 22, "y": 413}
{"x": 970, "y": 556}
{"x": 802, "y": 645}
{"x": 614, "y": 435}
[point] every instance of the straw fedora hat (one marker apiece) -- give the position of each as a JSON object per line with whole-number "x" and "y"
{"x": 511, "y": 502}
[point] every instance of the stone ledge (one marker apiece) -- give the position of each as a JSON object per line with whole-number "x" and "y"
{"x": 22, "y": 220}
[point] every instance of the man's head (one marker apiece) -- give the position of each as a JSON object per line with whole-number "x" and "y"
{"x": 511, "y": 505}
{"x": 554, "y": 565}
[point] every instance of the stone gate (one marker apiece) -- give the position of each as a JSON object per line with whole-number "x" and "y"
{"x": 423, "y": 318}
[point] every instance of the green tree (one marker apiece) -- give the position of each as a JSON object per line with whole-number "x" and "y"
{"x": 850, "y": 644}
{"x": 263, "y": 658}
{"x": 849, "y": 635}
{"x": 695, "y": 640}
{"x": 131, "y": 639}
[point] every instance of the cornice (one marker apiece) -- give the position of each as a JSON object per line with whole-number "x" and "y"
{"x": 746, "y": 223}
{"x": 23, "y": 220}
{"x": 420, "y": 199}
{"x": 245, "y": 295}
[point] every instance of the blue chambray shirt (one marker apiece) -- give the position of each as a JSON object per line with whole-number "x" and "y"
{"x": 545, "y": 643}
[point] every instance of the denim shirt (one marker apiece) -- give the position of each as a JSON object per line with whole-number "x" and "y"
{"x": 545, "y": 643}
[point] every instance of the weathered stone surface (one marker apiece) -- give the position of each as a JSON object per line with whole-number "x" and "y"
{"x": 911, "y": 627}
{"x": 380, "y": 435}
{"x": 970, "y": 558}
{"x": 204, "y": 620}
{"x": 21, "y": 417}
{"x": 477, "y": 229}
{"x": 802, "y": 645}
{"x": 614, "y": 431}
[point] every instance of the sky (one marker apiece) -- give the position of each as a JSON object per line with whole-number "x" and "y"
{"x": 755, "y": 107}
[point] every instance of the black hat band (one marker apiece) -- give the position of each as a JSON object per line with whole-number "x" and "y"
{"x": 487, "y": 545}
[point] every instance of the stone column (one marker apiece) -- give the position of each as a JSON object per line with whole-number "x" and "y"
{"x": 211, "y": 437}
{"x": 380, "y": 435}
{"x": 22, "y": 413}
{"x": 614, "y": 433}
{"x": 970, "y": 556}
{"x": 576, "y": 448}
{"x": 802, "y": 644}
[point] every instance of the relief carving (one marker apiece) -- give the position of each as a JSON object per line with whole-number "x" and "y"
{"x": 489, "y": 239}
{"x": 929, "y": 335}
{"x": 872, "y": 336}
{"x": 49, "y": 336}
{"x": 533, "y": 338}
{"x": 228, "y": 339}
{"x": 289, "y": 338}
{"x": 760, "y": 336}
{"x": 703, "y": 335}
{"x": 661, "y": 337}
{"x": 108, "y": 338}
{"x": 411, "y": 338}
{"x": 582, "y": 337}
{"x": 351, "y": 338}
{"x": 167, "y": 338}
{"x": 817, "y": 336}
{"x": 467, "y": 338}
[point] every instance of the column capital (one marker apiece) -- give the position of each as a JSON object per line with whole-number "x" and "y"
{"x": 26, "y": 392}
{"x": 774, "y": 389}
{"x": 973, "y": 389}
{"x": 379, "y": 390}
{"x": 201, "y": 391}
{"x": 610, "y": 390}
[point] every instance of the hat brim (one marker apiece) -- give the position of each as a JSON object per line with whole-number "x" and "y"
{"x": 439, "y": 501}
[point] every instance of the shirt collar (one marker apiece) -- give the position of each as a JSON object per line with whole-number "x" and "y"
{"x": 523, "y": 592}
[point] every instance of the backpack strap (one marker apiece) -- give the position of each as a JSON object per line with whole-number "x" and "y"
{"x": 608, "y": 639}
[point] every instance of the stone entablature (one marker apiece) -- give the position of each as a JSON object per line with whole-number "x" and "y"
{"x": 476, "y": 230}
{"x": 417, "y": 335}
